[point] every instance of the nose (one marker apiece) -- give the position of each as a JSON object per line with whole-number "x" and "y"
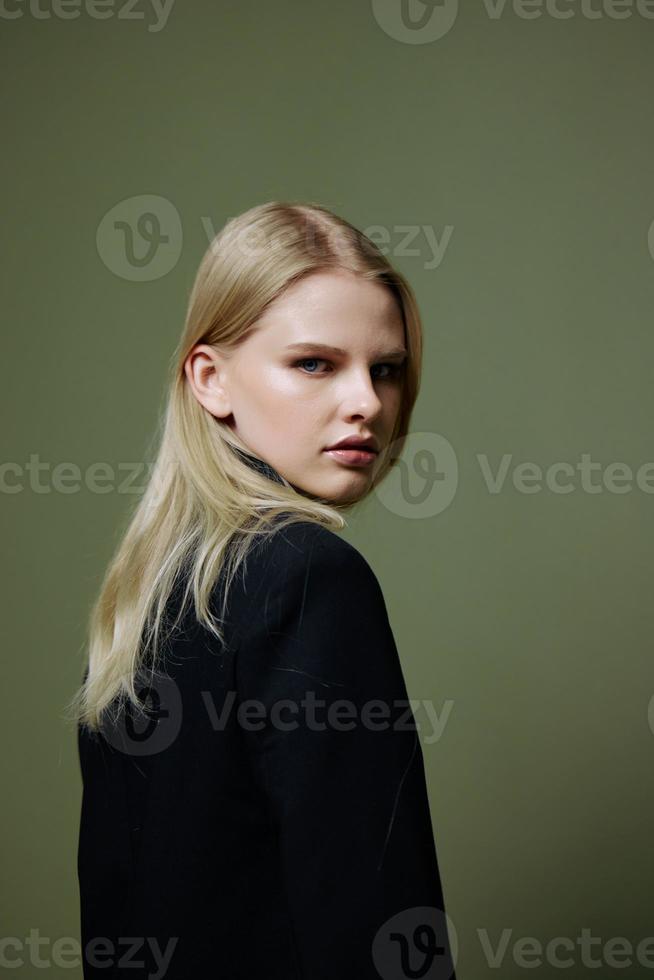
{"x": 360, "y": 400}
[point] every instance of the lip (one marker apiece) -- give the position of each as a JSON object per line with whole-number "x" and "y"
{"x": 353, "y": 457}
{"x": 359, "y": 443}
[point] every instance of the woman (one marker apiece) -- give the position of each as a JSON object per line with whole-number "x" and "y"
{"x": 254, "y": 797}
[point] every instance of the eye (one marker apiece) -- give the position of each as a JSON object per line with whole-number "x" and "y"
{"x": 310, "y": 360}
{"x": 392, "y": 372}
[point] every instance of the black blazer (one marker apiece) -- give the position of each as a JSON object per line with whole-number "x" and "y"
{"x": 286, "y": 839}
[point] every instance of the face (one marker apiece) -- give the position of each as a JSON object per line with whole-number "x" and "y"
{"x": 324, "y": 363}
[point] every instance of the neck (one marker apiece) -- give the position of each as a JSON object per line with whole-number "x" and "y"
{"x": 260, "y": 465}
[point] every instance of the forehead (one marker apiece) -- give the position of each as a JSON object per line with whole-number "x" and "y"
{"x": 336, "y": 307}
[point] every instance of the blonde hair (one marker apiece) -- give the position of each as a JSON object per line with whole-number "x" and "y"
{"x": 203, "y": 506}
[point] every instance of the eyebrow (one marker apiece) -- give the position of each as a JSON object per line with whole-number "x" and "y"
{"x": 328, "y": 349}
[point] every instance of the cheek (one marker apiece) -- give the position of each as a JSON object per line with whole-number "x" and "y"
{"x": 282, "y": 399}
{"x": 392, "y": 401}
{"x": 292, "y": 393}
{"x": 280, "y": 382}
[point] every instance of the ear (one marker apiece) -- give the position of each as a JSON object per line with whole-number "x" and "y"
{"x": 206, "y": 372}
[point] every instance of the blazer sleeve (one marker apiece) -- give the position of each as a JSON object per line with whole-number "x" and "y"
{"x": 335, "y": 750}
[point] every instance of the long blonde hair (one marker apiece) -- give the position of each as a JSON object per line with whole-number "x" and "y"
{"x": 203, "y": 506}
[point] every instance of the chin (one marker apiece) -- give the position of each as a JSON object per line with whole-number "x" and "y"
{"x": 343, "y": 491}
{"x": 350, "y": 491}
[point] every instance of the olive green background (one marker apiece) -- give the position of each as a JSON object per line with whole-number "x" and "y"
{"x": 528, "y": 613}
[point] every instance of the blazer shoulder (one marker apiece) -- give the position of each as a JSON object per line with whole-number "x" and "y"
{"x": 305, "y": 548}
{"x": 317, "y": 610}
{"x": 303, "y": 538}
{"x": 295, "y": 568}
